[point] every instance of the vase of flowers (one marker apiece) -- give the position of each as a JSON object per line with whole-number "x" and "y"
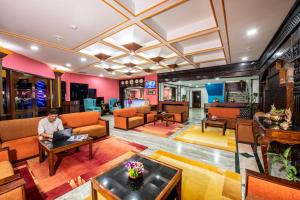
{"x": 135, "y": 169}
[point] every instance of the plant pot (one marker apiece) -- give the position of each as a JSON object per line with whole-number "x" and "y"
{"x": 135, "y": 177}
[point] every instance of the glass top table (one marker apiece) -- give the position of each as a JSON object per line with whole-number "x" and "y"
{"x": 159, "y": 180}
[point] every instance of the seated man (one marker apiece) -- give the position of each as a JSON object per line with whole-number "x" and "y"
{"x": 50, "y": 124}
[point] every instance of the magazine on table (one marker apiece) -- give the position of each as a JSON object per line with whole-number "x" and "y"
{"x": 78, "y": 137}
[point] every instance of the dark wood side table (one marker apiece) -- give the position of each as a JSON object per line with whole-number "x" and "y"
{"x": 56, "y": 147}
{"x": 167, "y": 117}
{"x": 160, "y": 181}
{"x": 219, "y": 123}
{"x": 268, "y": 133}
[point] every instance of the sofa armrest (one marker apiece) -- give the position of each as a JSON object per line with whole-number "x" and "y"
{"x": 4, "y": 154}
{"x": 105, "y": 123}
{"x": 9, "y": 179}
{"x": 11, "y": 185}
{"x": 121, "y": 122}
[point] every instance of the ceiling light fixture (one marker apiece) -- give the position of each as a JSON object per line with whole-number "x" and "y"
{"x": 244, "y": 58}
{"x": 251, "y": 32}
{"x": 74, "y": 27}
{"x": 83, "y": 59}
{"x": 68, "y": 65}
{"x": 101, "y": 75}
{"x": 34, "y": 48}
{"x": 217, "y": 78}
{"x": 113, "y": 73}
{"x": 279, "y": 53}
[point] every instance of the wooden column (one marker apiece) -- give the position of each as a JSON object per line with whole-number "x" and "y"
{"x": 57, "y": 89}
{"x": 1, "y": 89}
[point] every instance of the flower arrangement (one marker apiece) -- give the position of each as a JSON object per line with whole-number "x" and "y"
{"x": 135, "y": 169}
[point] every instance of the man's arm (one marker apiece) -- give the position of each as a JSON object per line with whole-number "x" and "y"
{"x": 41, "y": 131}
{"x": 60, "y": 125}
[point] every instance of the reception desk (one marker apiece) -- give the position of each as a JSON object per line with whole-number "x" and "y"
{"x": 135, "y": 103}
{"x": 163, "y": 104}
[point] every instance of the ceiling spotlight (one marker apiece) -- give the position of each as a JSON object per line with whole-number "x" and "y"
{"x": 68, "y": 65}
{"x": 101, "y": 75}
{"x": 83, "y": 59}
{"x": 244, "y": 58}
{"x": 34, "y": 48}
{"x": 74, "y": 27}
{"x": 113, "y": 73}
{"x": 58, "y": 37}
{"x": 217, "y": 78}
{"x": 251, "y": 32}
{"x": 172, "y": 70}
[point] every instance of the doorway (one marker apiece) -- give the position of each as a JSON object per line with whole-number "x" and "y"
{"x": 196, "y": 99}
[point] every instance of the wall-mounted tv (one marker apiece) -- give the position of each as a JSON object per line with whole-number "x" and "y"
{"x": 150, "y": 84}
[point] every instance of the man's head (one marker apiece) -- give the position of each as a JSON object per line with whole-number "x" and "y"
{"x": 52, "y": 115}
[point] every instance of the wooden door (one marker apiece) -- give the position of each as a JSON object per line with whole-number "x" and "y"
{"x": 196, "y": 99}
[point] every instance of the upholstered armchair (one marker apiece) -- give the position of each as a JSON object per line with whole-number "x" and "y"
{"x": 128, "y": 118}
{"x": 262, "y": 186}
{"x": 90, "y": 105}
{"x": 111, "y": 102}
{"x": 11, "y": 185}
{"x": 149, "y": 116}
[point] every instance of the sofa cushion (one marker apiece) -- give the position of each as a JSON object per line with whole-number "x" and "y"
{"x": 224, "y": 112}
{"x": 126, "y": 112}
{"x": 22, "y": 148}
{"x": 75, "y": 120}
{"x": 144, "y": 109}
{"x": 6, "y": 169}
{"x": 135, "y": 121}
{"x": 92, "y": 130}
{"x": 18, "y": 128}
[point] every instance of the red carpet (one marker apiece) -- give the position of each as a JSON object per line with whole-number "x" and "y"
{"x": 159, "y": 129}
{"x": 76, "y": 168}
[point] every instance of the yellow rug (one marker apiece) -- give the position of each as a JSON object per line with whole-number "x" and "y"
{"x": 201, "y": 181}
{"x": 211, "y": 137}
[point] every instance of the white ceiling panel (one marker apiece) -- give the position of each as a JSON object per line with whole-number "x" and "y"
{"x": 49, "y": 20}
{"x": 200, "y": 43}
{"x": 163, "y": 51}
{"x": 212, "y": 55}
{"x": 264, "y": 16}
{"x": 190, "y": 17}
{"x": 97, "y": 48}
{"x": 130, "y": 59}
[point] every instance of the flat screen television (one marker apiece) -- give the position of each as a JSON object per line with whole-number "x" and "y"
{"x": 150, "y": 84}
{"x": 78, "y": 92}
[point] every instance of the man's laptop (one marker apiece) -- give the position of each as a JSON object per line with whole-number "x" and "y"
{"x": 62, "y": 135}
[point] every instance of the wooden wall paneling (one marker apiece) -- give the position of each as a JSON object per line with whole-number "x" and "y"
{"x": 1, "y": 90}
{"x": 296, "y": 109}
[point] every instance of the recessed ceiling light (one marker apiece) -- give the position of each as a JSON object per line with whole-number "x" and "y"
{"x": 190, "y": 84}
{"x": 252, "y": 32}
{"x": 58, "y": 37}
{"x": 83, "y": 59}
{"x": 244, "y": 58}
{"x": 68, "y": 65}
{"x": 113, "y": 73}
{"x": 74, "y": 27}
{"x": 34, "y": 48}
{"x": 197, "y": 85}
{"x": 217, "y": 78}
{"x": 101, "y": 75}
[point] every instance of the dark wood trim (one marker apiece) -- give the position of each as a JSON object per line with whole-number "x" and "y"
{"x": 106, "y": 124}
{"x": 1, "y": 88}
{"x": 13, "y": 185}
{"x": 288, "y": 26}
{"x": 222, "y": 71}
{"x": 9, "y": 179}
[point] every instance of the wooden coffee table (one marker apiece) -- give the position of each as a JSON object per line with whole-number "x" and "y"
{"x": 56, "y": 147}
{"x": 219, "y": 123}
{"x": 160, "y": 181}
{"x": 168, "y": 117}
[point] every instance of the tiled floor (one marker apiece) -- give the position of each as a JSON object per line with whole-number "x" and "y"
{"x": 222, "y": 159}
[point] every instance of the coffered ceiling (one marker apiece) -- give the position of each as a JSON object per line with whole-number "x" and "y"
{"x": 121, "y": 38}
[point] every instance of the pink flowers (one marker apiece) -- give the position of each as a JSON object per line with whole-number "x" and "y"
{"x": 135, "y": 169}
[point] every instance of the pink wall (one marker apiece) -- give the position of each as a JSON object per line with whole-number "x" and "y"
{"x": 153, "y": 99}
{"x": 24, "y": 64}
{"x": 107, "y": 88}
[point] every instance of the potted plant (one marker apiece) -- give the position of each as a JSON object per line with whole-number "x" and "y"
{"x": 284, "y": 158}
{"x": 135, "y": 169}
